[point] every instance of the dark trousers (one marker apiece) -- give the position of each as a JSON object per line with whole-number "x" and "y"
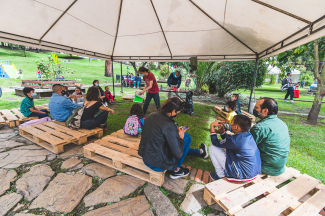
{"x": 98, "y": 120}
{"x": 290, "y": 92}
{"x": 40, "y": 115}
{"x": 106, "y": 100}
{"x": 149, "y": 96}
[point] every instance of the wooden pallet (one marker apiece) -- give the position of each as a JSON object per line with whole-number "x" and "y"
{"x": 128, "y": 97}
{"x": 43, "y": 106}
{"x": 13, "y": 117}
{"x": 54, "y": 136}
{"x": 122, "y": 154}
{"x": 304, "y": 195}
{"x": 218, "y": 109}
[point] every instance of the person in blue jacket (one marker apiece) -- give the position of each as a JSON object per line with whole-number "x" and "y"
{"x": 137, "y": 81}
{"x": 241, "y": 162}
{"x": 174, "y": 79}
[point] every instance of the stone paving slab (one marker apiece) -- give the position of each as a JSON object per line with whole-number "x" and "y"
{"x": 26, "y": 214}
{"x": 32, "y": 183}
{"x": 72, "y": 150}
{"x": 98, "y": 170}
{"x": 64, "y": 193}
{"x": 6, "y": 176}
{"x": 29, "y": 147}
{"x": 9, "y": 144}
{"x": 70, "y": 163}
{"x": 132, "y": 206}
{"x": 176, "y": 185}
{"x": 160, "y": 202}
{"x": 113, "y": 189}
{"x": 8, "y": 201}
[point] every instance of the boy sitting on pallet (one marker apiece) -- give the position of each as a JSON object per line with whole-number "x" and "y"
{"x": 234, "y": 97}
{"x": 232, "y": 107}
{"x": 241, "y": 162}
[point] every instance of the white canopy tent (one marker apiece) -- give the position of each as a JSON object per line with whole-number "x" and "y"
{"x": 276, "y": 71}
{"x": 163, "y": 30}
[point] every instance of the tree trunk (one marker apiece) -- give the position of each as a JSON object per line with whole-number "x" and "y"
{"x": 315, "y": 109}
{"x": 108, "y": 68}
{"x": 134, "y": 67}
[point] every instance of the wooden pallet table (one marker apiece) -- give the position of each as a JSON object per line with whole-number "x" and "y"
{"x": 13, "y": 117}
{"x": 54, "y": 136}
{"x": 128, "y": 97}
{"x": 121, "y": 153}
{"x": 219, "y": 110}
{"x": 302, "y": 195}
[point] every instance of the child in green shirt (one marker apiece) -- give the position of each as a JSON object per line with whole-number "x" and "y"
{"x": 27, "y": 107}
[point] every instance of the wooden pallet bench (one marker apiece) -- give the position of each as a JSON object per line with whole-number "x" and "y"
{"x": 303, "y": 195}
{"x": 120, "y": 152}
{"x": 55, "y": 135}
{"x": 128, "y": 97}
{"x": 219, "y": 110}
{"x": 13, "y": 117}
{"x": 43, "y": 106}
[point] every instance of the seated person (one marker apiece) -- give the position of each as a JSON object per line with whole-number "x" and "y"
{"x": 78, "y": 96}
{"x": 131, "y": 80}
{"x": 137, "y": 81}
{"x": 92, "y": 107}
{"x": 163, "y": 145}
{"x": 136, "y": 111}
{"x": 241, "y": 162}
{"x": 108, "y": 96}
{"x": 27, "y": 107}
{"x": 232, "y": 107}
{"x": 188, "y": 82}
{"x": 61, "y": 107}
{"x": 65, "y": 92}
{"x": 235, "y": 97}
{"x": 272, "y": 137}
{"x": 102, "y": 94}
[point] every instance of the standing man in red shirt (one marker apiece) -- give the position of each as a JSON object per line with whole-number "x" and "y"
{"x": 151, "y": 87}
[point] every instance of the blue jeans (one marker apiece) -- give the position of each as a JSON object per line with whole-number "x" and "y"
{"x": 149, "y": 96}
{"x": 40, "y": 115}
{"x": 290, "y": 92}
{"x": 187, "y": 151}
{"x": 136, "y": 82}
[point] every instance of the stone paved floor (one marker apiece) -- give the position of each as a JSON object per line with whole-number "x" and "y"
{"x": 34, "y": 181}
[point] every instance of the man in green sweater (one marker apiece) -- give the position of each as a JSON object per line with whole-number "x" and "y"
{"x": 271, "y": 136}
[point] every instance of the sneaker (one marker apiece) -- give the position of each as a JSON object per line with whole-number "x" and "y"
{"x": 182, "y": 172}
{"x": 291, "y": 101}
{"x": 285, "y": 101}
{"x": 105, "y": 104}
{"x": 204, "y": 154}
{"x": 133, "y": 87}
{"x": 214, "y": 176}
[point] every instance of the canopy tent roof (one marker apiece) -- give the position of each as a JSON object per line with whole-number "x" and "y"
{"x": 163, "y": 30}
{"x": 276, "y": 71}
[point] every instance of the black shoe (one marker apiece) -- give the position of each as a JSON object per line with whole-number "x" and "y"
{"x": 214, "y": 176}
{"x": 204, "y": 154}
{"x": 182, "y": 172}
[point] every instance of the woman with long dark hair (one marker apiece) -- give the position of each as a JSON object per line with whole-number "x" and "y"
{"x": 163, "y": 144}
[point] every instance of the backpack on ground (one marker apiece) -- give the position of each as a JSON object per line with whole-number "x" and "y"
{"x": 74, "y": 121}
{"x": 132, "y": 126}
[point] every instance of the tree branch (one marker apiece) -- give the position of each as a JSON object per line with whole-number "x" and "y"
{"x": 316, "y": 59}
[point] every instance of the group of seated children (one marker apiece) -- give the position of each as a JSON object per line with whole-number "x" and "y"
{"x": 129, "y": 79}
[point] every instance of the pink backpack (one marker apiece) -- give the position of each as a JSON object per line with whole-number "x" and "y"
{"x": 36, "y": 121}
{"x": 132, "y": 126}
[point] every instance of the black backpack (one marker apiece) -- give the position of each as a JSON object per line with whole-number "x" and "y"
{"x": 284, "y": 81}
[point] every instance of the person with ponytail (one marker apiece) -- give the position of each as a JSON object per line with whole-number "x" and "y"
{"x": 163, "y": 144}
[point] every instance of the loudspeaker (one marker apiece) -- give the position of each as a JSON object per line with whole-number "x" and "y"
{"x": 193, "y": 63}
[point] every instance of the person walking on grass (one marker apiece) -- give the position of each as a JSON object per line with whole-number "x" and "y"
{"x": 152, "y": 88}
{"x": 290, "y": 90}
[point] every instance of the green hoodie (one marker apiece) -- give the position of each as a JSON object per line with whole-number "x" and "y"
{"x": 272, "y": 138}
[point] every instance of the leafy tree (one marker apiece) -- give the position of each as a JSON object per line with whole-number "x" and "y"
{"x": 53, "y": 69}
{"x": 165, "y": 70}
{"x": 312, "y": 56}
{"x": 205, "y": 71}
{"x": 235, "y": 75}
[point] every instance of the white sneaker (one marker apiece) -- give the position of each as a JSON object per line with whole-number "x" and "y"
{"x": 291, "y": 101}
{"x": 285, "y": 101}
{"x": 133, "y": 87}
{"x": 105, "y": 104}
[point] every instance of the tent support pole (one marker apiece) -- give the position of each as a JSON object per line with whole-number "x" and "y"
{"x": 121, "y": 79}
{"x": 113, "y": 77}
{"x": 253, "y": 84}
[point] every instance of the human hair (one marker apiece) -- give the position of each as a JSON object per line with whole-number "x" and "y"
{"x": 92, "y": 93}
{"x": 95, "y": 81}
{"x": 232, "y": 105}
{"x": 65, "y": 87}
{"x": 236, "y": 95}
{"x": 27, "y": 90}
{"x": 288, "y": 73}
{"x": 171, "y": 104}
{"x": 178, "y": 72}
{"x": 271, "y": 105}
{"x": 78, "y": 88}
{"x": 56, "y": 88}
{"x": 143, "y": 69}
{"x": 106, "y": 87}
{"x": 136, "y": 109}
{"x": 244, "y": 122}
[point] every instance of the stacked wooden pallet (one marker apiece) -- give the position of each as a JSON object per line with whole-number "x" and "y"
{"x": 290, "y": 193}
{"x": 13, "y": 117}
{"x": 219, "y": 110}
{"x": 120, "y": 151}
{"x": 55, "y": 135}
{"x": 128, "y": 97}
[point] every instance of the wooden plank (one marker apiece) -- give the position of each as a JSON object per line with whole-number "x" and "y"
{"x": 123, "y": 142}
{"x": 219, "y": 110}
{"x": 313, "y": 205}
{"x": 235, "y": 199}
{"x": 9, "y": 115}
{"x": 122, "y": 149}
{"x": 2, "y": 120}
{"x": 42, "y": 135}
{"x": 64, "y": 129}
{"x": 280, "y": 200}
{"x": 18, "y": 114}
{"x": 119, "y": 156}
{"x": 88, "y": 133}
{"x": 252, "y": 117}
{"x": 122, "y": 135}
{"x": 55, "y": 132}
